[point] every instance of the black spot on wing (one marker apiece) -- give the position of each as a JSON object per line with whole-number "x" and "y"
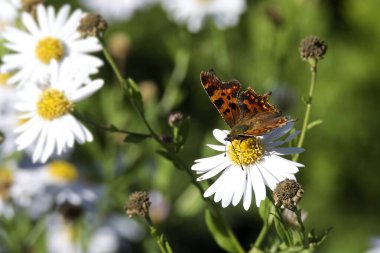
{"x": 233, "y": 106}
{"x": 219, "y": 102}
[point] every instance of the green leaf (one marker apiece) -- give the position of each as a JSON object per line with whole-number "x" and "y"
{"x": 314, "y": 124}
{"x": 135, "y": 138}
{"x": 219, "y": 232}
{"x": 264, "y": 209}
{"x": 317, "y": 239}
{"x": 282, "y": 232}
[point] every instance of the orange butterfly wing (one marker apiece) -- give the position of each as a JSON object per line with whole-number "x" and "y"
{"x": 247, "y": 113}
{"x": 224, "y": 95}
{"x": 257, "y": 114}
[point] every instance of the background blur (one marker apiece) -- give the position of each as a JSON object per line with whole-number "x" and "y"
{"x": 341, "y": 177}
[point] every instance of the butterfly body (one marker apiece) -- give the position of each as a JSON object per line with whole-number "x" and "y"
{"x": 247, "y": 113}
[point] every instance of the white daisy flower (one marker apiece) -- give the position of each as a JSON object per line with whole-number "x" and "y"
{"x": 9, "y": 120}
{"x": 6, "y": 181}
{"x": 9, "y": 12}
{"x": 118, "y": 10}
{"x": 50, "y": 37}
{"x": 60, "y": 239}
{"x": 375, "y": 245}
{"x": 47, "y": 109}
{"x": 247, "y": 165}
{"x": 225, "y": 13}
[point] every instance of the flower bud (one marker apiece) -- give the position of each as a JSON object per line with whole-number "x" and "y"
{"x": 175, "y": 119}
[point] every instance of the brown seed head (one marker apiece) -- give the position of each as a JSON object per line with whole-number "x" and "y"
{"x": 312, "y": 47}
{"x": 31, "y": 5}
{"x": 287, "y": 194}
{"x": 92, "y": 25}
{"x": 137, "y": 204}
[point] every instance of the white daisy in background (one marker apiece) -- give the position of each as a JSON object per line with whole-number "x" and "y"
{"x": 9, "y": 12}
{"x": 194, "y": 13}
{"x": 375, "y": 245}
{"x": 60, "y": 238}
{"x": 6, "y": 181}
{"x": 8, "y": 115}
{"x": 247, "y": 165}
{"x": 38, "y": 190}
{"x": 47, "y": 107}
{"x": 119, "y": 10}
{"x": 51, "y": 37}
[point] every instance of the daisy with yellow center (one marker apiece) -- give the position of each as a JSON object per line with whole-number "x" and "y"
{"x": 50, "y": 128}
{"x": 246, "y": 165}
{"x": 50, "y": 37}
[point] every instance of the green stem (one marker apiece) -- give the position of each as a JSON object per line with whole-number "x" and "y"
{"x": 128, "y": 85}
{"x": 313, "y": 70}
{"x": 161, "y": 240}
{"x": 303, "y": 230}
{"x": 112, "y": 129}
{"x": 261, "y": 236}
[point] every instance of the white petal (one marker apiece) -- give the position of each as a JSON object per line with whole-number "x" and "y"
{"x": 279, "y": 132}
{"x": 247, "y": 192}
{"x": 270, "y": 178}
{"x": 239, "y": 187}
{"x": 220, "y": 136}
{"x": 50, "y": 143}
{"x": 71, "y": 25}
{"x": 214, "y": 171}
{"x": 42, "y": 19}
{"x": 286, "y": 150}
{"x": 203, "y": 167}
{"x": 217, "y": 147}
{"x": 281, "y": 164}
{"x": 258, "y": 185}
{"x": 62, "y": 15}
{"x": 39, "y": 149}
{"x": 30, "y": 24}
{"x": 87, "y": 90}
{"x": 89, "y": 45}
{"x": 212, "y": 159}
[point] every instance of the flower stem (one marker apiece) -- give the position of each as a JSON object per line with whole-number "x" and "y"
{"x": 177, "y": 160}
{"x": 303, "y": 230}
{"x": 263, "y": 232}
{"x": 111, "y": 129}
{"x": 161, "y": 240}
{"x": 313, "y": 70}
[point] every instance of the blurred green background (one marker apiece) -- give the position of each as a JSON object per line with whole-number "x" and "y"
{"x": 341, "y": 174}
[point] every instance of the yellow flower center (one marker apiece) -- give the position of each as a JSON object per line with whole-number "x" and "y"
{"x": 6, "y": 176}
{"x": 53, "y": 104}
{"x": 245, "y": 152}
{"x": 4, "y": 78}
{"x": 63, "y": 171}
{"x": 49, "y": 48}
{"x": 6, "y": 179}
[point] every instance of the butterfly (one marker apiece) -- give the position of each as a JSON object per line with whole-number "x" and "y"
{"x": 247, "y": 113}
